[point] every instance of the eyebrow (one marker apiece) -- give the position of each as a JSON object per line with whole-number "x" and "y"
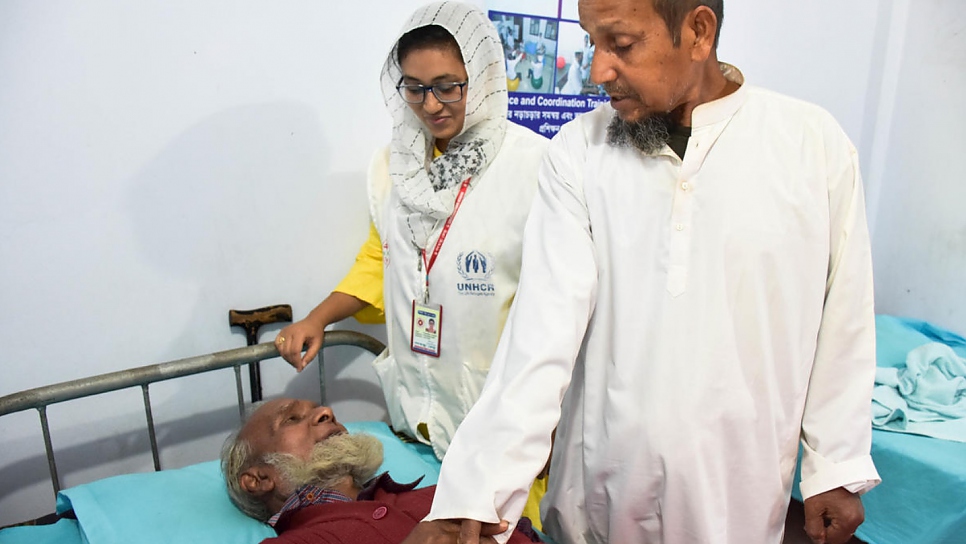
{"x": 615, "y": 25}
{"x": 438, "y": 79}
{"x": 279, "y": 414}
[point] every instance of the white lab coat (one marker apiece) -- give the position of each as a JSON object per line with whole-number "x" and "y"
{"x": 474, "y": 278}
{"x": 706, "y": 315}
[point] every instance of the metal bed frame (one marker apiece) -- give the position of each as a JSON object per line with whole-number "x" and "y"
{"x": 42, "y": 397}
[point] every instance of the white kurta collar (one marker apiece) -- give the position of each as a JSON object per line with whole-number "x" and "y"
{"x": 722, "y": 108}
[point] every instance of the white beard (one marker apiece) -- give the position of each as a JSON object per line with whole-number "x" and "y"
{"x": 355, "y": 455}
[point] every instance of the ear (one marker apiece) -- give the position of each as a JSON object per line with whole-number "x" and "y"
{"x": 700, "y": 27}
{"x": 258, "y": 480}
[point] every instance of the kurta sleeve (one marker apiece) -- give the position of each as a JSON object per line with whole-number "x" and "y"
{"x": 837, "y": 422}
{"x": 504, "y": 441}
{"x": 364, "y": 280}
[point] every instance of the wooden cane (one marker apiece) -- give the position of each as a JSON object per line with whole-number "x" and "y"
{"x": 251, "y": 321}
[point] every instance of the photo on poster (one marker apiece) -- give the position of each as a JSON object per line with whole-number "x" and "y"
{"x": 530, "y": 50}
{"x": 574, "y": 55}
{"x": 547, "y": 57}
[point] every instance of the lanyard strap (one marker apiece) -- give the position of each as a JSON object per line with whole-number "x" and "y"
{"x": 428, "y": 265}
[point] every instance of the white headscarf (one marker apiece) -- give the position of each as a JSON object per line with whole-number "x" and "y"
{"x": 428, "y": 194}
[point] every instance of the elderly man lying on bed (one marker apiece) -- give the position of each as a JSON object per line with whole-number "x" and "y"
{"x": 295, "y": 466}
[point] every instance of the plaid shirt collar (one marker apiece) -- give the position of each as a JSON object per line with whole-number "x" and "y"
{"x": 308, "y": 495}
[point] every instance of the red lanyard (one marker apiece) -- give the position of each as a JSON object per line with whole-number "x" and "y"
{"x": 445, "y": 231}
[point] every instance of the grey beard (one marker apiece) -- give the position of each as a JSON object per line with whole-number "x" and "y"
{"x": 355, "y": 455}
{"x": 648, "y": 135}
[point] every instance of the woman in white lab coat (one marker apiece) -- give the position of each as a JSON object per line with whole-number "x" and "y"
{"x": 448, "y": 199}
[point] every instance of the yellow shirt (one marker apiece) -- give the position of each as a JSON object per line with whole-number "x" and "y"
{"x": 532, "y": 508}
{"x": 364, "y": 280}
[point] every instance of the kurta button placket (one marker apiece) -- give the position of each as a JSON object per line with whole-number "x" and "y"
{"x": 380, "y": 512}
{"x": 679, "y": 243}
{"x": 703, "y": 138}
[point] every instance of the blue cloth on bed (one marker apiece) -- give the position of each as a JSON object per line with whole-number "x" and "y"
{"x": 189, "y": 504}
{"x": 65, "y": 531}
{"x": 926, "y": 395}
{"x": 922, "y": 497}
{"x": 896, "y": 336}
{"x": 405, "y": 461}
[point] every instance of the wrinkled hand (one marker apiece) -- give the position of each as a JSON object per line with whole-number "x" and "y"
{"x": 455, "y": 531}
{"x": 302, "y": 334}
{"x": 832, "y": 517}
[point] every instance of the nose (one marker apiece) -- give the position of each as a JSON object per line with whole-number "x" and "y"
{"x": 323, "y": 414}
{"x": 431, "y": 104}
{"x": 602, "y": 68}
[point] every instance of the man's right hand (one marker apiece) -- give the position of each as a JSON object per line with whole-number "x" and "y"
{"x": 455, "y": 531}
{"x": 306, "y": 333}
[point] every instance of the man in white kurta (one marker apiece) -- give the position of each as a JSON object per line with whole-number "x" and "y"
{"x": 685, "y": 325}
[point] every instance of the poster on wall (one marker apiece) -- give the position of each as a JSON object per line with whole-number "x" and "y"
{"x": 548, "y": 59}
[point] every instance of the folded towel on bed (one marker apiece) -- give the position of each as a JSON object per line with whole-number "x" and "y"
{"x": 926, "y": 395}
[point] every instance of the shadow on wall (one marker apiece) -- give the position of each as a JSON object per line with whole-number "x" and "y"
{"x": 220, "y": 214}
{"x": 241, "y": 211}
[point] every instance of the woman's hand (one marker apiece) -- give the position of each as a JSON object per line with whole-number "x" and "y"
{"x": 308, "y": 333}
{"x": 305, "y": 334}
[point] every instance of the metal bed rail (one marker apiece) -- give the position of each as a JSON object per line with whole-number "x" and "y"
{"x": 42, "y": 397}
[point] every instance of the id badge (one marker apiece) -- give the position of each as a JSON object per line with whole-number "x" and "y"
{"x": 426, "y": 325}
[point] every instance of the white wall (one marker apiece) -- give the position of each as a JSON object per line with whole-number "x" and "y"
{"x": 821, "y": 51}
{"x": 163, "y": 162}
{"x": 892, "y": 73}
{"x": 919, "y": 210}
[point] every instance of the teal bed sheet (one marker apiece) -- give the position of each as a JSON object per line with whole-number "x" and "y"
{"x": 65, "y": 531}
{"x": 922, "y": 497}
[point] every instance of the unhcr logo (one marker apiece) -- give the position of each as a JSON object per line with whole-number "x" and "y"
{"x": 476, "y": 268}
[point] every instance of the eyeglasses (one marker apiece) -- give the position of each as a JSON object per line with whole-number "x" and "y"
{"x": 444, "y": 92}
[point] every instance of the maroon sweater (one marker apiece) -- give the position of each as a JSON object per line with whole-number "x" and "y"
{"x": 384, "y": 514}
